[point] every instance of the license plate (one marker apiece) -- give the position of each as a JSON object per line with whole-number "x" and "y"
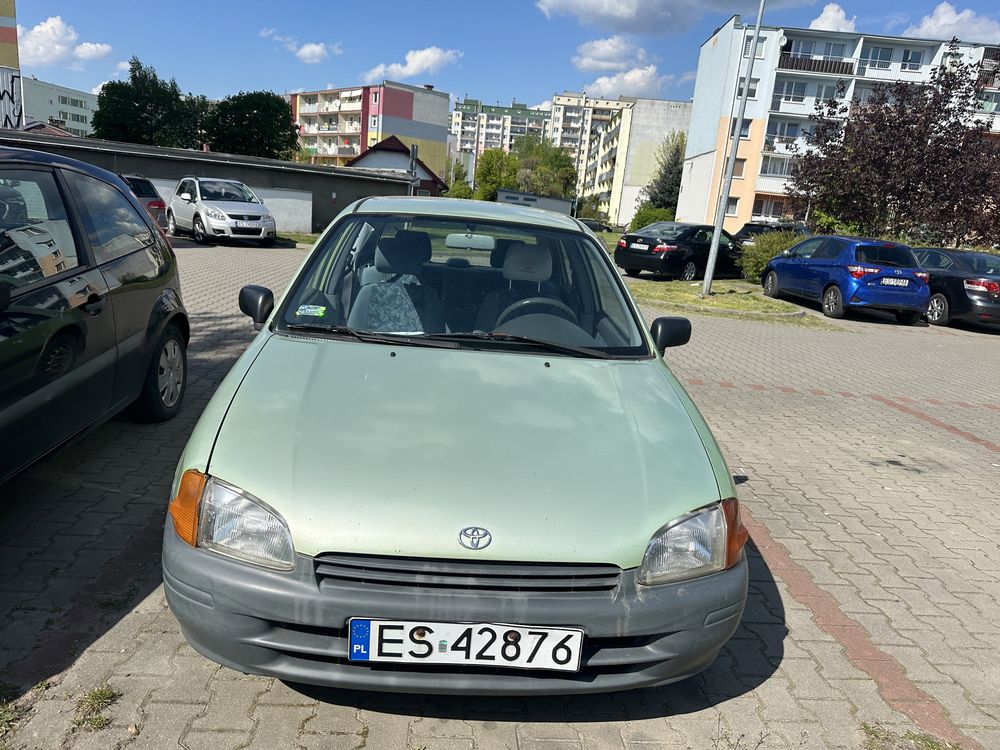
{"x": 478, "y": 644}
{"x": 639, "y": 246}
{"x": 895, "y": 282}
{"x": 248, "y": 224}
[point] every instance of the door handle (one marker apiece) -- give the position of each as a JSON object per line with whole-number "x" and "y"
{"x": 94, "y": 305}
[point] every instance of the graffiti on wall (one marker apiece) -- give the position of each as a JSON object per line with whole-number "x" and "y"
{"x": 11, "y": 112}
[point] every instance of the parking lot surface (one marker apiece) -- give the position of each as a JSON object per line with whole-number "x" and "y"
{"x": 868, "y": 460}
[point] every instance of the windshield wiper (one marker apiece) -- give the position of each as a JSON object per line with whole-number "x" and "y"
{"x": 371, "y": 338}
{"x": 509, "y": 338}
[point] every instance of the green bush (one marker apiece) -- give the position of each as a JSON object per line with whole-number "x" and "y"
{"x": 647, "y": 215}
{"x": 754, "y": 257}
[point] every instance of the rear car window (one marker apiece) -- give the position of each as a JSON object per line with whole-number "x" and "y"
{"x": 664, "y": 229}
{"x": 898, "y": 256}
{"x": 114, "y": 227}
{"x": 142, "y": 188}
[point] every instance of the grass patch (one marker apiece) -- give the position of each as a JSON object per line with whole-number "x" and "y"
{"x": 610, "y": 240}
{"x": 10, "y": 711}
{"x": 90, "y": 708}
{"x": 879, "y": 738}
{"x": 300, "y": 238}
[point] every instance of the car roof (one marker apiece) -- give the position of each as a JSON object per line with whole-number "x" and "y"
{"x": 44, "y": 158}
{"x": 213, "y": 179}
{"x": 854, "y": 240}
{"x": 467, "y": 209}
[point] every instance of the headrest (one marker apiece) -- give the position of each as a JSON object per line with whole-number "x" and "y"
{"x": 395, "y": 257}
{"x": 418, "y": 242}
{"x": 499, "y": 253}
{"x": 527, "y": 263}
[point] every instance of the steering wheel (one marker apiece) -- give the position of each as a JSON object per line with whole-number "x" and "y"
{"x": 520, "y": 306}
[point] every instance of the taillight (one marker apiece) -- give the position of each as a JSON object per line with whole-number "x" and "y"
{"x": 922, "y": 275}
{"x": 860, "y": 272}
{"x": 664, "y": 248}
{"x": 158, "y": 204}
{"x": 622, "y": 243}
{"x": 982, "y": 285}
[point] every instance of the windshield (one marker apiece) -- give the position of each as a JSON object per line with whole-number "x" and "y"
{"x": 664, "y": 229}
{"x": 478, "y": 285}
{"x": 897, "y": 256}
{"x": 220, "y": 190}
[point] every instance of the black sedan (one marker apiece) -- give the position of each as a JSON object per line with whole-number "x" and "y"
{"x": 676, "y": 250}
{"x": 964, "y": 285}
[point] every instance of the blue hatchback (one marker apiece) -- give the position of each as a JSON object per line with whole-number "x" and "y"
{"x": 850, "y": 272}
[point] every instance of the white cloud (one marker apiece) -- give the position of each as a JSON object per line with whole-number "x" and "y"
{"x": 545, "y": 106}
{"x": 122, "y": 66}
{"x": 418, "y": 62}
{"x": 309, "y": 53}
{"x": 652, "y": 16}
{"x": 613, "y": 53}
{"x": 265, "y": 33}
{"x": 98, "y": 87}
{"x": 644, "y": 81}
{"x": 687, "y": 76}
{"x": 312, "y": 53}
{"x": 945, "y": 22}
{"x": 833, "y": 18}
{"x": 53, "y": 41}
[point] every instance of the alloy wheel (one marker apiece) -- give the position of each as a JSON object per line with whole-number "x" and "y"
{"x": 170, "y": 373}
{"x": 831, "y": 300}
{"x": 690, "y": 271}
{"x": 935, "y": 310}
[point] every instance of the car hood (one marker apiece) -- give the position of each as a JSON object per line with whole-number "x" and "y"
{"x": 368, "y": 448}
{"x": 238, "y": 207}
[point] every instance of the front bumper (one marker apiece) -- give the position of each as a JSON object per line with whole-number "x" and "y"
{"x": 229, "y": 228}
{"x": 287, "y": 625}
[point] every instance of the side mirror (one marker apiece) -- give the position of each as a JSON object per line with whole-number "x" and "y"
{"x": 4, "y": 297}
{"x": 257, "y": 302}
{"x": 186, "y": 197}
{"x": 670, "y": 331}
{"x": 786, "y": 253}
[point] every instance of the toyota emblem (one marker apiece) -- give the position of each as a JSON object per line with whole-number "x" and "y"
{"x": 474, "y": 537}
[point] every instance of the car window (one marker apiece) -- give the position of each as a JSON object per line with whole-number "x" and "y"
{"x": 807, "y": 248}
{"x": 934, "y": 259}
{"x": 182, "y": 187}
{"x": 897, "y": 256}
{"x": 724, "y": 240}
{"x": 113, "y": 225}
{"x": 142, "y": 188}
{"x": 667, "y": 230}
{"x": 36, "y": 240}
{"x": 829, "y": 250}
{"x": 702, "y": 236}
{"x": 412, "y": 276}
{"x": 985, "y": 264}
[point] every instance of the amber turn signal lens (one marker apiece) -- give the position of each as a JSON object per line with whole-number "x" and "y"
{"x": 184, "y": 507}
{"x": 736, "y": 532}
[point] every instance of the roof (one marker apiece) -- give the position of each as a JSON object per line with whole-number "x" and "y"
{"x": 46, "y": 128}
{"x": 392, "y": 143}
{"x": 468, "y": 209}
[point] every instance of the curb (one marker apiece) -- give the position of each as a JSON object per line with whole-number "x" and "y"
{"x": 729, "y": 310}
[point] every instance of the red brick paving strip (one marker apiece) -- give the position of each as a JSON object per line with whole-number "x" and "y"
{"x": 988, "y": 445}
{"x": 895, "y": 687}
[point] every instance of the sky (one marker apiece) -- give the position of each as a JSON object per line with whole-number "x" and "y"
{"x": 521, "y": 49}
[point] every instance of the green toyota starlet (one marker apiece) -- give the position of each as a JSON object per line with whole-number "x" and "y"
{"x": 454, "y": 461}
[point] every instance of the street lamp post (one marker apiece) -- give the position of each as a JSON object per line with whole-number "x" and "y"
{"x": 720, "y": 211}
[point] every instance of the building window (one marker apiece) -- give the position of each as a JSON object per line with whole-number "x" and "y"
{"x": 801, "y": 48}
{"x": 373, "y": 122}
{"x": 829, "y": 91}
{"x": 732, "y": 205}
{"x": 989, "y": 102}
{"x": 876, "y": 57}
{"x": 739, "y": 167}
{"x": 748, "y": 43}
{"x": 913, "y": 59}
{"x": 833, "y": 51}
{"x": 753, "y": 87}
{"x": 790, "y": 91}
{"x": 744, "y": 129}
{"x": 374, "y": 97}
{"x": 775, "y": 166}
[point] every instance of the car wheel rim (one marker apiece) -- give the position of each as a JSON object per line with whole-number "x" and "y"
{"x": 831, "y": 301}
{"x": 171, "y": 227}
{"x": 198, "y": 233}
{"x": 769, "y": 283}
{"x": 689, "y": 271}
{"x": 936, "y": 310}
{"x": 170, "y": 373}
{"x": 58, "y": 360}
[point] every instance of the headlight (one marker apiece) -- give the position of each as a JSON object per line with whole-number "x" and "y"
{"x": 703, "y": 542}
{"x": 269, "y": 219}
{"x": 214, "y": 213}
{"x": 214, "y": 515}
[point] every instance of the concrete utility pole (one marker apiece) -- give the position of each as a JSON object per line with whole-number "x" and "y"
{"x": 720, "y": 211}
{"x": 413, "y": 170}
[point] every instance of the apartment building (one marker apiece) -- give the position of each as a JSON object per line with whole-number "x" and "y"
{"x": 576, "y": 119}
{"x": 477, "y": 126}
{"x": 793, "y": 69}
{"x": 622, "y": 154}
{"x": 339, "y": 124}
{"x": 69, "y": 109}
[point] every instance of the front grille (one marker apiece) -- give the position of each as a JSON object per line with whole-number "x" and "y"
{"x": 254, "y": 232}
{"x": 420, "y": 573}
{"x": 243, "y": 217}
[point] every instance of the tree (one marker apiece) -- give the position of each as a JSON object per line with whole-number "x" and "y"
{"x": 648, "y": 214}
{"x": 910, "y": 162}
{"x": 665, "y": 186}
{"x": 544, "y": 168}
{"x": 255, "y": 123}
{"x": 589, "y": 207}
{"x": 149, "y": 110}
{"x": 458, "y": 187}
{"x": 495, "y": 170}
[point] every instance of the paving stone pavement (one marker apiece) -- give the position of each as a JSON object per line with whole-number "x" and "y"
{"x": 871, "y": 457}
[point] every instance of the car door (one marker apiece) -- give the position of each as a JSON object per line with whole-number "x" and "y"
{"x": 57, "y": 333}
{"x": 184, "y": 209}
{"x": 793, "y": 270}
{"x": 727, "y": 265}
{"x": 700, "y": 243}
{"x": 822, "y": 266}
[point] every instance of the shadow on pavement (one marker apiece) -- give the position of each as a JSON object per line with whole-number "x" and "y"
{"x": 750, "y": 657}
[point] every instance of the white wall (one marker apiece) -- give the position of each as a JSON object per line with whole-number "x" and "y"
{"x": 696, "y": 183}
{"x": 292, "y": 209}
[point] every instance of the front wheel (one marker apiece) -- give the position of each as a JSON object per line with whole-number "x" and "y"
{"x": 907, "y": 317}
{"x": 199, "y": 231}
{"x": 833, "y": 303}
{"x": 938, "y": 311}
{"x": 771, "y": 284}
{"x": 633, "y": 272}
{"x": 166, "y": 379}
{"x": 171, "y": 225}
{"x": 689, "y": 272}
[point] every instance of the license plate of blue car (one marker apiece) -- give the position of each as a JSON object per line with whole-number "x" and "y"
{"x": 895, "y": 282}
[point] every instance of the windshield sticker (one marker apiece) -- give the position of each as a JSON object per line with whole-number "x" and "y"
{"x": 314, "y": 311}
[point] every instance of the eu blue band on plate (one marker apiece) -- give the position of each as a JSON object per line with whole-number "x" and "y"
{"x": 360, "y": 639}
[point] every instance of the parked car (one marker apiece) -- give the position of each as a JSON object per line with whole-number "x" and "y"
{"x": 214, "y": 209}
{"x": 91, "y": 319}
{"x": 676, "y": 250}
{"x": 749, "y": 231}
{"x": 596, "y": 226}
{"x": 149, "y": 197}
{"x": 473, "y": 474}
{"x": 963, "y": 285}
{"x": 845, "y": 273}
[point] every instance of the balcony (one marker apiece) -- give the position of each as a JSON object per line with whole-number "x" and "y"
{"x": 350, "y": 105}
{"x": 790, "y": 107}
{"x": 893, "y": 71}
{"x": 348, "y": 150}
{"x": 833, "y": 67}
{"x": 767, "y": 183}
{"x": 326, "y": 127}
{"x": 351, "y": 127}
{"x": 780, "y": 144}
{"x": 308, "y": 109}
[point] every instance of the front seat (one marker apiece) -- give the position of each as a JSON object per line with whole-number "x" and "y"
{"x": 527, "y": 270}
{"x": 418, "y": 242}
{"x": 399, "y": 303}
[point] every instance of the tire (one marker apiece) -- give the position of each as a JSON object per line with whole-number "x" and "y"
{"x": 770, "y": 284}
{"x": 689, "y": 272}
{"x": 633, "y": 272}
{"x": 907, "y": 317}
{"x": 198, "y": 229}
{"x": 833, "y": 302}
{"x": 57, "y": 358}
{"x": 938, "y": 310}
{"x": 171, "y": 225}
{"x": 166, "y": 380}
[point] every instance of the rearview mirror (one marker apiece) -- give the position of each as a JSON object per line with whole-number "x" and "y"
{"x": 469, "y": 241}
{"x": 186, "y": 197}
{"x": 257, "y": 302}
{"x": 670, "y": 331}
